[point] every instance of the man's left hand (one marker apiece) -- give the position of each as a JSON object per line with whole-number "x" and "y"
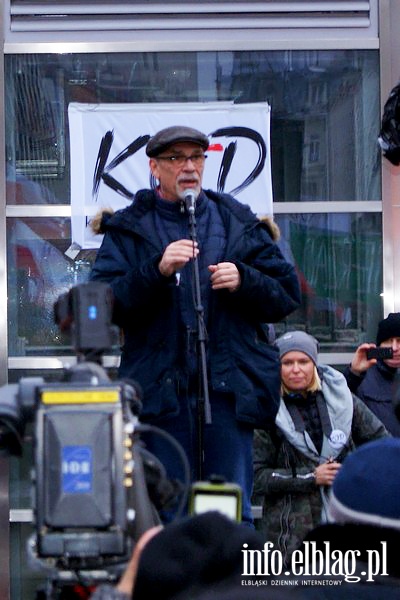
{"x": 224, "y": 275}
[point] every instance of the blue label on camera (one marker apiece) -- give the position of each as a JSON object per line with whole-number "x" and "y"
{"x": 77, "y": 469}
{"x": 92, "y": 312}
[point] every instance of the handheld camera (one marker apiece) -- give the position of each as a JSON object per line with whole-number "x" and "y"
{"x": 380, "y": 353}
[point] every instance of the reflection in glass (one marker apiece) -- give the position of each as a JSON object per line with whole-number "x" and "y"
{"x": 338, "y": 258}
{"x": 26, "y": 581}
{"x": 325, "y": 112}
{"x": 39, "y": 270}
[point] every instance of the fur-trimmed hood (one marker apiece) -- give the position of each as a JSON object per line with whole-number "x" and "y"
{"x": 98, "y": 221}
{"x": 96, "y": 224}
{"x": 273, "y": 227}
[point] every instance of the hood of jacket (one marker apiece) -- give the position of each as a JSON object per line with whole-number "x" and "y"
{"x": 104, "y": 217}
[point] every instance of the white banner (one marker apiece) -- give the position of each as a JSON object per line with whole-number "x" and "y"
{"x": 109, "y": 164}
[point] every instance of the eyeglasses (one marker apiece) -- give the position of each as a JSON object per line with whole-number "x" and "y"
{"x": 179, "y": 160}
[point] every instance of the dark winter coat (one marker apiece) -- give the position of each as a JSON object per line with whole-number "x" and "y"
{"x": 378, "y": 578}
{"x": 284, "y": 484}
{"x": 240, "y": 359}
{"x": 376, "y": 389}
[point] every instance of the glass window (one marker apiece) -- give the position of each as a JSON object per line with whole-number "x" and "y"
{"x": 325, "y": 117}
{"x": 39, "y": 271}
{"x": 325, "y": 112}
{"x": 338, "y": 258}
{"x": 27, "y": 581}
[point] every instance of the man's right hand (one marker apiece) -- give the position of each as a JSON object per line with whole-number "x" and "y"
{"x": 326, "y": 472}
{"x": 176, "y": 255}
{"x": 360, "y": 362}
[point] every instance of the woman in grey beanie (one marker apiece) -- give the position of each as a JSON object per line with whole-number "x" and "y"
{"x": 295, "y": 462}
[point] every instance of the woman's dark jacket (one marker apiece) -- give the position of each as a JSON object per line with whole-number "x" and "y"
{"x": 239, "y": 357}
{"x": 284, "y": 481}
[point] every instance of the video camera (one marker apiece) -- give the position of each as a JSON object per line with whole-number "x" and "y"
{"x": 95, "y": 487}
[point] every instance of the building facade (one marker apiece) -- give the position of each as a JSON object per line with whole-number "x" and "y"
{"x": 325, "y": 68}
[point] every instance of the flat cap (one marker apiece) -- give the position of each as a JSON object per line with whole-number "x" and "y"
{"x": 171, "y": 135}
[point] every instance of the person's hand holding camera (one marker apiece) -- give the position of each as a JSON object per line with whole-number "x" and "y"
{"x": 360, "y": 362}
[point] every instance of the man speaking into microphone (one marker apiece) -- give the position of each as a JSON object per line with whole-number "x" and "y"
{"x": 147, "y": 256}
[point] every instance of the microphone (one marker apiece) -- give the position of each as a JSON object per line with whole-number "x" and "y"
{"x": 190, "y": 197}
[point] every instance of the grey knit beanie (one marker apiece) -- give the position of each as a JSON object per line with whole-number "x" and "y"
{"x": 299, "y": 341}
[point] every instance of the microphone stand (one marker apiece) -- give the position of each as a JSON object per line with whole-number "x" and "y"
{"x": 203, "y": 406}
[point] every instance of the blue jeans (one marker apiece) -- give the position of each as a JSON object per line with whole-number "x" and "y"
{"x": 227, "y": 445}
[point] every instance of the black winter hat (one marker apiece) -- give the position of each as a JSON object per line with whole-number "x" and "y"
{"x": 387, "y": 328}
{"x": 389, "y": 137}
{"x": 190, "y": 557}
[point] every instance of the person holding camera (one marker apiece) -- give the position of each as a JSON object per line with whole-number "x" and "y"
{"x": 374, "y": 379}
{"x": 296, "y": 462}
{"x": 148, "y": 256}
